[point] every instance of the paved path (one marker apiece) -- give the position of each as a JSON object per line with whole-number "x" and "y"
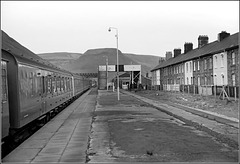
{"x": 63, "y": 139}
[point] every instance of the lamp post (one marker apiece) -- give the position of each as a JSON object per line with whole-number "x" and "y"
{"x": 107, "y": 70}
{"x": 117, "y": 60}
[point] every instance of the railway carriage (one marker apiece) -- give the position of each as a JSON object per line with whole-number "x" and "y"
{"x": 32, "y": 88}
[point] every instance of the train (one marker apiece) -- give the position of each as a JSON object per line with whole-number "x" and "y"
{"x": 33, "y": 88}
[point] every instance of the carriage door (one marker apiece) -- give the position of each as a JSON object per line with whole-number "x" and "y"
{"x": 5, "y": 105}
{"x": 44, "y": 93}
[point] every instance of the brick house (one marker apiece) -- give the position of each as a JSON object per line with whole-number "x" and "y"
{"x": 199, "y": 66}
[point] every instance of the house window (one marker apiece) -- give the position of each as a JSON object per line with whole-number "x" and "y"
{"x": 210, "y": 63}
{"x": 216, "y": 62}
{"x": 194, "y": 67}
{"x": 205, "y": 80}
{"x": 205, "y": 64}
{"x": 222, "y": 79}
{"x": 222, "y": 60}
{"x": 198, "y": 65}
{"x": 191, "y": 80}
{"x": 233, "y": 58}
{"x": 187, "y": 81}
{"x": 187, "y": 67}
{"x": 198, "y": 80}
{"x": 233, "y": 79}
{"x": 190, "y": 67}
{"x": 211, "y": 80}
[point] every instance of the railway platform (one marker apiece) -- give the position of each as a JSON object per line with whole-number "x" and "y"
{"x": 63, "y": 139}
{"x": 96, "y": 128}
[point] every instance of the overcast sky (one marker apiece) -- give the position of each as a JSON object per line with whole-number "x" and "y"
{"x": 144, "y": 27}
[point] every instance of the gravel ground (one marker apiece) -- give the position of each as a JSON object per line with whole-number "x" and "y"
{"x": 209, "y": 103}
{"x": 130, "y": 130}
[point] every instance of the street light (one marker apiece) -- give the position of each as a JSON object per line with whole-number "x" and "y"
{"x": 106, "y": 69}
{"x": 117, "y": 59}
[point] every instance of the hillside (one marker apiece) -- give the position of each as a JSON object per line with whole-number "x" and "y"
{"x": 60, "y": 59}
{"x": 147, "y": 60}
{"x": 89, "y": 61}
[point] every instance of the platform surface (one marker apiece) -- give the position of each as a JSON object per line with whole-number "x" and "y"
{"x": 63, "y": 139}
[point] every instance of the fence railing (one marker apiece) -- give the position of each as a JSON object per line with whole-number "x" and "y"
{"x": 232, "y": 91}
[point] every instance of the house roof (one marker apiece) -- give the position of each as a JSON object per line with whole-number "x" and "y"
{"x": 211, "y": 48}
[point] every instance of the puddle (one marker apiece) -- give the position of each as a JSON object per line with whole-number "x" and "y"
{"x": 139, "y": 129}
{"x": 131, "y": 120}
{"x": 149, "y": 119}
{"x": 200, "y": 133}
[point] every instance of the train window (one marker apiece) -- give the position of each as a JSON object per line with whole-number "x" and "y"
{"x": 49, "y": 85}
{"x": 58, "y": 84}
{"x": 53, "y": 85}
{"x": 62, "y": 84}
{"x": 38, "y": 85}
{"x": 4, "y": 85}
{"x": 65, "y": 84}
{"x": 70, "y": 84}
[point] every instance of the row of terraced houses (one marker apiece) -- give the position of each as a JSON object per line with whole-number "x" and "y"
{"x": 206, "y": 69}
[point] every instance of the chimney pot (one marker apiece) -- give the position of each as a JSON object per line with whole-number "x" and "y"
{"x": 223, "y": 35}
{"x": 168, "y": 55}
{"x": 202, "y": 40}
{"x": 188, "y": 47}
{"x": 176, "y": 52}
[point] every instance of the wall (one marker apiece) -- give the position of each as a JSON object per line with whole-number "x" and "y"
{"x": 233, "y": 68}
{"x": 158, "y": 77}
{"x": 188, "y": 67}
{"x": 220, "y": 75}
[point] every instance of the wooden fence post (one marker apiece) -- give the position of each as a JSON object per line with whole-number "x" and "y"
{"x": 223, "y": 93}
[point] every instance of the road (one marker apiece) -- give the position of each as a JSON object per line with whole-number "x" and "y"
{"x": 130, "y": 130}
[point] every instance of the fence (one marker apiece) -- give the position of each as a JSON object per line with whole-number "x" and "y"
{"x": 232, "y": 91}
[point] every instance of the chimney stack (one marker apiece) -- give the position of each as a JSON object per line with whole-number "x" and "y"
{"x": 188, "y": 47}
{"x": 202, "y": 40}
{"x": 160, "y": 60}
{"x": 176, "y": 52}
{"x": 168, "y": 55}
{"x": 223, "y": 35}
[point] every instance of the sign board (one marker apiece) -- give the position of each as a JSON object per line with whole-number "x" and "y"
{"x": 111, "y": 68}
{"x": 122, "y": 68}
{"x": 132, "y": 67}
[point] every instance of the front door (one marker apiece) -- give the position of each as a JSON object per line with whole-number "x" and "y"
{"x": 44, "y": 93}
{"x": 5, "y": 105}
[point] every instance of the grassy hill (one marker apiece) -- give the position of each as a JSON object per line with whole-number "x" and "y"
{"x": 60, "y": 59}
{"x": 89, "y": 61}
{"x": 150, "y": 61}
